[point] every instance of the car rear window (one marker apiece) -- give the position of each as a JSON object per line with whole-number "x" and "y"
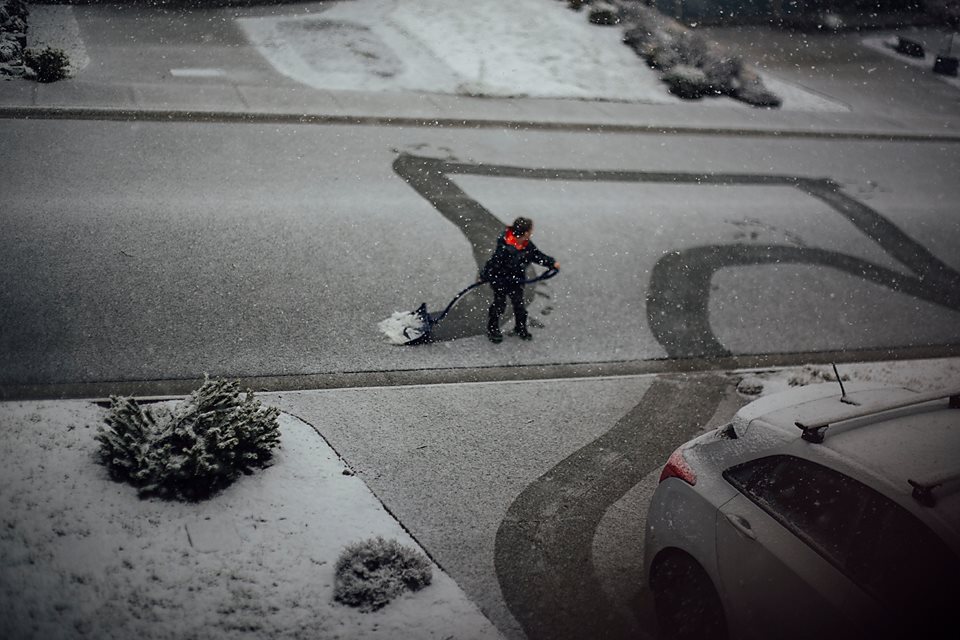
{"x": 877, "y": 543}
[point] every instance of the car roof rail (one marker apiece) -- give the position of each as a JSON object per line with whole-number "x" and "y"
{"x": 923, "y": 488}
{"x": 813, "y": 431}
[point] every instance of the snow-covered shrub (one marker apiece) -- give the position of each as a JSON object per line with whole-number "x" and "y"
{"x": 604, "y": 13}
{"x": 193, "y": 449}
{"x": 13, "y": 15}
{"x": 13, "y": 36}
{"x": 666, "y": 45}
{"x": 661, "y": 54}
{"x": 10, "y": 49}
{"x": 692, "y": 48}
{"x": 723, "y": 74}
{"x": 48, "y": 64}
{"x": 753, "y": 91}
{"x": 638, "y": 37}
{"x": 686, "y": 82}
{"x": 371, "y": 573}
{"x": 750, "y": 386}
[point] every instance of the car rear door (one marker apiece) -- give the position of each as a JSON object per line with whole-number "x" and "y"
{"x": 776, "y": 544}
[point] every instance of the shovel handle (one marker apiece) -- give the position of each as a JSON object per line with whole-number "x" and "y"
{"x": 546, "y": 275}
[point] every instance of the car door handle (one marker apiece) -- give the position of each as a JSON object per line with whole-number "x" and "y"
{"x": 741, "y": 524}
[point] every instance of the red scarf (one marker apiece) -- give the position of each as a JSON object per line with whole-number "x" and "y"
{"x": 514, "y": 242}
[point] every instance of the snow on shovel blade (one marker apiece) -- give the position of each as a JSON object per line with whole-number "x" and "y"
{"x": 407, "y": 327}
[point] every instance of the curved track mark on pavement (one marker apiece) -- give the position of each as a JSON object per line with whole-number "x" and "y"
{"x": 679, "y": 294}
{"x": 543, "y": 547}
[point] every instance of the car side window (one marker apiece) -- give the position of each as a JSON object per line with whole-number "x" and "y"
{"x": 820, "y": 506}
{"x": 877, "y": 543}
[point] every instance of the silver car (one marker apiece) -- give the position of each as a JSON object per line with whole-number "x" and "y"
{"x": 815, "y": 513}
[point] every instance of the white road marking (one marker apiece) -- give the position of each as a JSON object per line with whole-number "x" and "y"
{"x": 196, "y": 73}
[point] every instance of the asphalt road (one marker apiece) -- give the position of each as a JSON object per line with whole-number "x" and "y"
{"x": 151, "y": 251}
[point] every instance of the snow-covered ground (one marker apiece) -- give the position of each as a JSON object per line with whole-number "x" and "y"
{"x": 83, "y": 556}
{"x": 495, "y": 48}
{"x": 919, "y": 375}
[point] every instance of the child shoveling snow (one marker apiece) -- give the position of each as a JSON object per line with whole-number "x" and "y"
{"x": 504, "y": 271}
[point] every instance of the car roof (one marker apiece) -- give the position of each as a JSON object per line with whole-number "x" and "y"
{"x": 919, "y": 447}
{"x": 815, "y": 402}
{"x": 888, "y": 448}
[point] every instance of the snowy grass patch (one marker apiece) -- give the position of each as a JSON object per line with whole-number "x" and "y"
{"x": 497, "y": 48}
{"x": 83, "y": 556}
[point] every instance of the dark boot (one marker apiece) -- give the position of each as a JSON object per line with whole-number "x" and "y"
{"x": 493, "y": 326}
{"x": 519, "y": 315}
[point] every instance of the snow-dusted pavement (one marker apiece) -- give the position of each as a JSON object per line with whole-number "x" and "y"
{"x": 283, "y": 261}
{"x": 82, "y": 556}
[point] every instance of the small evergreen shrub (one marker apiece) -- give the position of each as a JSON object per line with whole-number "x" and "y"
{"x": 371, "y": 573}
{"x": 754, "y": 92}
{"x": 48, "y": 64}
{"x": 10, "y": 49}
{"x": 723, "y": 74}
{"x": 604, "y": 14}
{"x": 192, "y": 450}
{"x": 686, "y": 82}
{"x": 692, "y": 48}
{"x": 661, "y": 54}
{"x": 687, "y": 63}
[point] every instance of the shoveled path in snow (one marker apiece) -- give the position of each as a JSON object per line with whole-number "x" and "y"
{"x": 545, "y": 544}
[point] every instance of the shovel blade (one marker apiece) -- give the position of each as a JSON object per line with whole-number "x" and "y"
{"x": 410, "y": 327}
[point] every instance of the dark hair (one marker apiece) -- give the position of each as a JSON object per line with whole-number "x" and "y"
{"x": 521, "y": 225}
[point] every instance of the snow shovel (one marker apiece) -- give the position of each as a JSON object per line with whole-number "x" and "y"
{"x": 416, "y": 327}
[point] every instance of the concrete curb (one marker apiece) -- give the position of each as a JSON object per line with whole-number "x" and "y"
{"x": 186, "y": 115}
{"x": 418, "y": 377}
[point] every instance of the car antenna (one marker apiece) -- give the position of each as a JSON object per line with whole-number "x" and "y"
{"x": 843, "y": 392}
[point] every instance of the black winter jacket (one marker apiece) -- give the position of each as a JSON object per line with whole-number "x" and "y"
{"x": 507, "y": 265}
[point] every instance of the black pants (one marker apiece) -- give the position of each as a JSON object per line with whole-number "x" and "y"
{"x": 500, "y": 295}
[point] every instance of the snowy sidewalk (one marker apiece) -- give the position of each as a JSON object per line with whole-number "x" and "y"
{"x": 409, "y": 64}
